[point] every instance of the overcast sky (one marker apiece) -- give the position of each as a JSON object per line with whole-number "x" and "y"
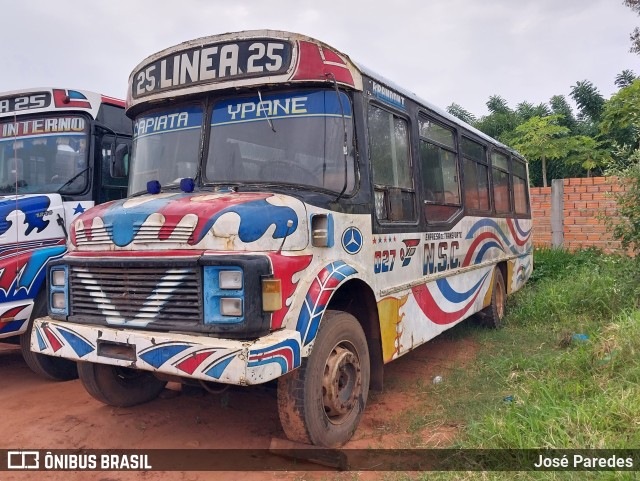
{"x": 445, "y": 51}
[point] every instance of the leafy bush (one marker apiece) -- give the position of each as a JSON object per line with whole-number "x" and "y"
{"x": 627, "y": 229}
{"x": 572, "y": 286}
{"x": 555, "y": 263}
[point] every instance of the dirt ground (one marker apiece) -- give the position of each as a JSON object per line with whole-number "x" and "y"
{"x": 39, "y": 414}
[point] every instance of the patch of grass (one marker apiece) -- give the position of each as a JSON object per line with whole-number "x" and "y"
{"x": 567, "y": 392}
{"x": 535, "y": 384}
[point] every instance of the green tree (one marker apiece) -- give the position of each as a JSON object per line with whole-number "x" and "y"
{"x": 586, "y": 152}
{"x": 542, "y": 139}
{"x": 560, "y": 106}
{"x": 501, "y": 119}
{"x": 461, "y": 113}
{"x": 498, "y": 105}
{"x": 620, "y": 116}
{"x": 589, "y": 100}
{"x": 526, "y": 110}
{"x": 635, "y": 35}
{"x": 625, "y": 78}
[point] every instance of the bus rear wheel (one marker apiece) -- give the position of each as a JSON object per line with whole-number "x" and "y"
{"x": 492, "y": 315}
{"x": 119, "y": 386}
{"x": 321, "y": 402}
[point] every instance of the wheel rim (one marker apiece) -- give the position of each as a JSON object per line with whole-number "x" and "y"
{"x": 341, "y": 383}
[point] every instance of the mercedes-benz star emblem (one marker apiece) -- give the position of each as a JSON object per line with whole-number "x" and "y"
{"x": 352, "y": 240}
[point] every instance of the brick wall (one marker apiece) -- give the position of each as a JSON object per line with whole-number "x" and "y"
{"x": 580, "y": 205}
{"x": 541, "y": 213}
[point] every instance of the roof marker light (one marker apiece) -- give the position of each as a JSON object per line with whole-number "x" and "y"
{"x": 153, "y": 187}
{"x": 187, "y": 184}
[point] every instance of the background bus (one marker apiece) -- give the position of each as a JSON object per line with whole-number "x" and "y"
{"x": 294, "y": 217}
{"x": 56, "y": 151}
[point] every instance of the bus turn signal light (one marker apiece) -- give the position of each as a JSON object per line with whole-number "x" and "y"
{"x": 271, "y": 295}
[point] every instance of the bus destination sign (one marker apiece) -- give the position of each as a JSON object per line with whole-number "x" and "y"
{"x": 18, "y": 103}
{"x": 212, "y": 63}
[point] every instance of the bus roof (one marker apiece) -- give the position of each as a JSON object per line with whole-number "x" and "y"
{"x": 253, "y": 58}
{"x": 441, "y": 112}
{"x": 47, "y": 99}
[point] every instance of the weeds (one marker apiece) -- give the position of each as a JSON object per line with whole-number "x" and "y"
{"x": 562, "y": 373}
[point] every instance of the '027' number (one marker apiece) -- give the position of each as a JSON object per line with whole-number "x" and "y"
{"x": 384, "y": 261}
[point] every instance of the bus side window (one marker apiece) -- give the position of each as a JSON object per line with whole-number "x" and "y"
{"x": 476, "y": 176}
{"x": 391, "y": 161}
{"x": 440, "y": 178}
{"x": 520, "y": 191}
{"x": 500, "y": 173}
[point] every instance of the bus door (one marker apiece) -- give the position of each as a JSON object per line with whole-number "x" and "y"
{"x": 111, "y": 185}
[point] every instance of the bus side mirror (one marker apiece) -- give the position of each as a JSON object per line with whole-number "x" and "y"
{"x": 120, "y": 162}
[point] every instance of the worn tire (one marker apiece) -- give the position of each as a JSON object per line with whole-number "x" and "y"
{"x": 119, "y": 386}
{"x": 49, "y": 367}
{"x": 492, "y": 315}
{"x": 322, "y": 401}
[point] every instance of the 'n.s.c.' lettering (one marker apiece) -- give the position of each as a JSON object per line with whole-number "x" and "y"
{"x": 440, "y": 257}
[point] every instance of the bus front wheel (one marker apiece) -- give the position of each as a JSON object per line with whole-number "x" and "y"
{"x": 119, "y": 386}
{"x": 492, "y": 315}
{"x": 49, "y": 367}
{"x": 322, "y": 401}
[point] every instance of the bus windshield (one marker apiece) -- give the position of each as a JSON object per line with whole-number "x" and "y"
{"x": 294, "y": 138}
{"x": 166, "y": 147}
{"x": 44, "y": 155}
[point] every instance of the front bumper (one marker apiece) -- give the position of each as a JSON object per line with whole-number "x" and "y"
{"x": 185, "y": 355}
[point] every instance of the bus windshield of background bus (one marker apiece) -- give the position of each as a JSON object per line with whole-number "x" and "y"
{"x": 44, "y": 155}
{"x": 166, "y": 147}
{"x": 293, "y": 138}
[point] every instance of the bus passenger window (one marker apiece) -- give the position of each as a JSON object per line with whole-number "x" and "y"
{"x": 500, "y": 171}
{"x": 391, "y": 162}
{"x": 520, "y": 192}
{"x": 440, "y": 179}
{"x": 476, "y": 176}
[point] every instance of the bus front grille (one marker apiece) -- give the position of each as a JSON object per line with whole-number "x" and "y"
{"x": 145, "y": 234}
{"x": 136, "y": 296}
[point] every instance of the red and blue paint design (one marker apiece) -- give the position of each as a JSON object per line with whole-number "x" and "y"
{"x": 22, "y": 270}
{"x": 457, "y": 303}
{"x": 494, "y": 238}
{"x": 214, "y": 359}
{"x": 285, "y": 354}
{"x": 12, "y": 326}
{"x": 286, "y": 269}
{"x": 256, "y": 213}
{"x": 22, "y": 263}
{"x": 55, "y": 339}
{"x": 70, "y": 99}
{"x": 317, "y": 298}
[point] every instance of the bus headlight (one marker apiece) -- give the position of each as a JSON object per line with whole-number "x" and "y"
{"x": 58, "y": 278}
{"x": 223, "y": 294}
{"x": 230, "y": 279}
{"x": 58, "y": 301}
{"x": 231, "y": 306}
{"x": 59, "y": 290}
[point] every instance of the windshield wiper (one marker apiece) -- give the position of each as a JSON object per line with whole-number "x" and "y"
{"x": 266, "y": 115}
{"x": 68, "y": 182}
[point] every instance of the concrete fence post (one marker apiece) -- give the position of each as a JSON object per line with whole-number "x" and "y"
{"x": 557, "y": 212}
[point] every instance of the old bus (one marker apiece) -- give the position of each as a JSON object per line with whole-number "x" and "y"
{"x": 56, "y": 152}
{"x": 292, "y": 216}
